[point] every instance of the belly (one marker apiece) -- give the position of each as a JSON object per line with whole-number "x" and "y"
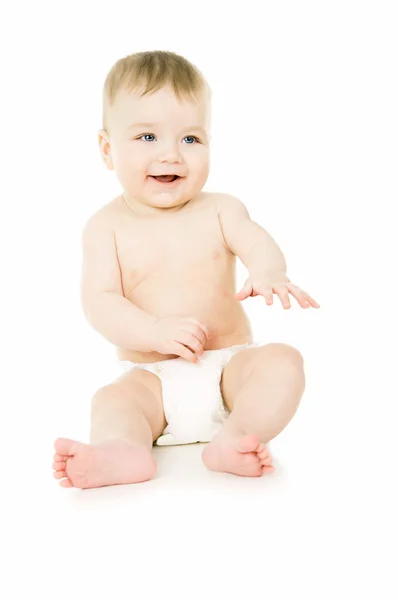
{"x": 208, "y": 299}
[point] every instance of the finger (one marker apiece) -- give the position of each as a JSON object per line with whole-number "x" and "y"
{"x": 307, "y": 300}
{"x": 312, "y": 302}
{"x": 268, "y": 295}
{"x": 299, "y": 295}
{"x": 189, "y": 340}
{"x": 197, "y": 332}
{"x": 245, "y": 292}
{"x": 184, "y": 352}
{"x": 192, "y": 333}
{"x": 242, "y": 295}
{"x": 283, "y": 295}
{"x": 202, "y": 326}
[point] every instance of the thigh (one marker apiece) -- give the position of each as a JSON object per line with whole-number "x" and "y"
{"x": 138, "y": 385}
{"x": 235, "y": 373}
{"x": 256, "y": 360}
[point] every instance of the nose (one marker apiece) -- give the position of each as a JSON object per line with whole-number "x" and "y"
{"x": 170, "y": 154}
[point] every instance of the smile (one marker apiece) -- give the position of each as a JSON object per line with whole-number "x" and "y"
{"x": 165, "y": 180}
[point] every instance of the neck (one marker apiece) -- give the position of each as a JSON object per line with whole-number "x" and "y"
{"x": 140, "y": 209}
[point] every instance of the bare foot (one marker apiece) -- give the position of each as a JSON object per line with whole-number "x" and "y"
{"x": 110, "y": 463}
{"x": 242, "y": 455}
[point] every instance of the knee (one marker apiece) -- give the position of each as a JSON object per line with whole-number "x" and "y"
{"x": 282, "y": 361}
{"x": 284, "y": 356}
{"x": 103, "y": 395}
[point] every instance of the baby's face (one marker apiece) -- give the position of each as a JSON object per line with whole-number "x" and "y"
{"x": 159, "y": 135}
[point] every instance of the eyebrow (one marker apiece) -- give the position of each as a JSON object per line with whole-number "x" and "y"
{"x": 141, "y": 125}
{"x": 152, "y": 125}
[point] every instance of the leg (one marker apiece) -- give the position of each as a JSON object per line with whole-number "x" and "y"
{"x": 126, "y": 417}
{"x": 262, "y": 388}
{"x": 130, "y": 408}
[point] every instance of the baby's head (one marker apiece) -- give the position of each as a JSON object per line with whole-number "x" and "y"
{"x": 156, "y": 121}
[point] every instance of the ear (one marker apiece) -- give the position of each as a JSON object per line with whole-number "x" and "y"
{"x": 105, "y": 148}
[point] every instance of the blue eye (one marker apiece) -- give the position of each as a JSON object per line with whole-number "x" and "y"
{"x": 146, "y": 135}
{"x": 191, "y": 137}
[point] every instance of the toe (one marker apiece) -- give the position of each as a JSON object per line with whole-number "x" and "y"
{"x": 64, "y": 446}
{"x": 250, "y": 467}
{"x": 263, "y": 453}
{"x": 59, "y": 474}
{"x": 59, "y": 466}
{"x": 248, "y": 443}
{"x": 264, "y": 457}
{"x": 267, "y": 469}
{"x": 59, "y": 457}
{"x": 66, "y": 483}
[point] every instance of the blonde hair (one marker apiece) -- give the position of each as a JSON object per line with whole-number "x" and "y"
{"x": 151, "y": 71}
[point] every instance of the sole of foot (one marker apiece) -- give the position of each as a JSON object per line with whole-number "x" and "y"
{"x": 110, "y": 463}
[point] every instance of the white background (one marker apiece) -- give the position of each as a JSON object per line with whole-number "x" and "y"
{"x": 305, "y": 133}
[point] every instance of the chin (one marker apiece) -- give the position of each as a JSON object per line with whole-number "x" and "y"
{"x": 167, "y": 199}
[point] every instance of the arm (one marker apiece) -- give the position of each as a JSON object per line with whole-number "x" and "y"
{"x": 246, "y": 239}
{"x": 107, "y": 310}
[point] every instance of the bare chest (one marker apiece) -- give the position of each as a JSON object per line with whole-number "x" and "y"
{"x": 185, "y": 252}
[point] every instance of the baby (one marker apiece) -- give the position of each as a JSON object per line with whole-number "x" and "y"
{"x": 158, "y": 282}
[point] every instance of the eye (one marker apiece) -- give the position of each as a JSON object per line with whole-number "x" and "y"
{"x": 146, "y": 135}
{"x": 191, "y": 137}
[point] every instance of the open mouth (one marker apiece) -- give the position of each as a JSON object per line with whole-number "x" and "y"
{"x": 165, "y": 178}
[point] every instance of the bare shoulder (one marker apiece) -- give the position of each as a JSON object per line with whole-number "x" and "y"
{"x": 112, "y": 216}
{"x": 227, "y": 204}
{"x": 104, "y": 218}
{"x": 221, "y": 199}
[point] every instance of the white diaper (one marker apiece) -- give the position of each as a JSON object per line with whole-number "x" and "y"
{"x": 192, "y": 400}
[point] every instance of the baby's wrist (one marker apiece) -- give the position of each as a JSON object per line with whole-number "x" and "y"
{"x": 153, "y": 332}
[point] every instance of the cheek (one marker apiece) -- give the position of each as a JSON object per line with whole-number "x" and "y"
{"x": 133, "y": 158}
{"x": 198, "y": 161}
